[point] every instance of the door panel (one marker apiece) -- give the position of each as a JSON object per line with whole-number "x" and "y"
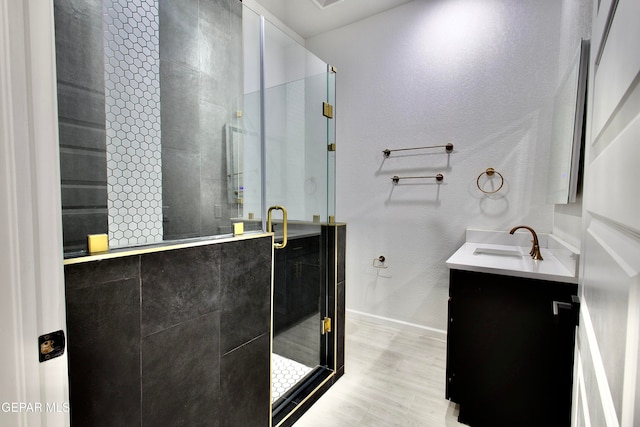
{"x": 617, "y": 69}
{"x": 296, "y": 171}
{"x": 610, "y": 286}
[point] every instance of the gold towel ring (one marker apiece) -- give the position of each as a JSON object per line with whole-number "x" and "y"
{"x": 490, "y": 172}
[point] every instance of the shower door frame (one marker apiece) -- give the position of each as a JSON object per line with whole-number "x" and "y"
{"x": 297, "y": 400}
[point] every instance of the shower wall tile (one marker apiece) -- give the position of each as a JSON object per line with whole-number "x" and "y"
{"x": 179, "y": 285}
{"x": 100, "y": 272}
{"x": 76, "y": 226}
{"x": 201, "y": 79}
{"x": 145, "y": 338}
{"x": 190, "y": 47}
{"x": 214, "y": 215}
{"x": 84, "y": 166}
{"x": 181, "y": 194}
{"x": 181, "y": 374}
{"x": 244, "y": 384}
{"x": 217, "y": 13}
{"x": 80, "y": 74}
{"x": 179, "y": 32}
{"x": 245, "y": 292}
{"x": 82, "y": 197}
{"x": 103, "y": 341}
{"x": 214, "y": 42}
{"x": 132, "y": 101}
{"x": 81, "y": 105}
{"x": 220, "y": 63}
{"x": 79, "y": 43}
{"x": 212, "y": 140}
{"x": 180, "y": 106}
{"x": 74, "y": 135}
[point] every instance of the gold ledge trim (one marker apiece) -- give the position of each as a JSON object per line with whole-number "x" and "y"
{"x": 120, "y": 253}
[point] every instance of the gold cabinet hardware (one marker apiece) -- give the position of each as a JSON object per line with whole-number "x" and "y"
{"x": 284, "y": 225}
{"x": 327, "y": 110}
{"x": 326, "y": 325}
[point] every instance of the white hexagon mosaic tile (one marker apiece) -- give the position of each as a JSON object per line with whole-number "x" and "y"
{"x": 132, "y": 101}
{"x": 286, "y": 373}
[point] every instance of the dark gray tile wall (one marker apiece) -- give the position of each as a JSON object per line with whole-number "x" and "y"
{"x": 201, "y": 84}
{"x": 80, "y": 71}
{"x": 246, "y": 311}
{"x": 103, "y": 330}
{"x": 246, "y": 381}
{"x": 181, "y": 374}
{"x": 178, "y": 338}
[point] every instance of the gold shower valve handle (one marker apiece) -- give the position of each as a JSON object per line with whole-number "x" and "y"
{"x": 490, "y": 172}
{"x": 284, "y": 225}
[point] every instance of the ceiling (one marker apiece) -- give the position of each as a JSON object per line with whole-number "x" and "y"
{"x": 307, "y": 19}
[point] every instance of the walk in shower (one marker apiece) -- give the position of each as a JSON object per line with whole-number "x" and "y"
{"x": 180, "y": 120}
{"x": 291, "y": 109}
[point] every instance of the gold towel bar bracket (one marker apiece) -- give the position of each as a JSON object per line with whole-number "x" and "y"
{"x": 490, "y": 172}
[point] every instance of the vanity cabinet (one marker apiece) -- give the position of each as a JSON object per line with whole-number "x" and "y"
{"x": 297, "y": 281}
{"x": 510, "y": 349}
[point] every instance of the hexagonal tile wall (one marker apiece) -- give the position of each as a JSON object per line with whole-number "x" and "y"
{"x": 132, "y": 92}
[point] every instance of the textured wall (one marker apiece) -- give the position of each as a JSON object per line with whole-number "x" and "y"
{"x": 576, "y": 24}
{"x": 481, "y": 74}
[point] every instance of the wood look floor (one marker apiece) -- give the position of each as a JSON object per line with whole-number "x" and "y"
{"x": 393, "y": 378}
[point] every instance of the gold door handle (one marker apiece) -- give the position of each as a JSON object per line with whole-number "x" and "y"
{"x": 284, "y": 225}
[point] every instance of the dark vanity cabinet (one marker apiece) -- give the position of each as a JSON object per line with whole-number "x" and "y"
{"x": 297, "y": 281}
{"x": 510, "y": 349}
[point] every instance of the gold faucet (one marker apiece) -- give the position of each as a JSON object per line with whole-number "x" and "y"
{"x": 535, "y": 250}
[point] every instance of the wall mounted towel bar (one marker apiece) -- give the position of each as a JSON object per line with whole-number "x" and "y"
{"x": 439, "y": 177}
{"x": 448, "y": 147}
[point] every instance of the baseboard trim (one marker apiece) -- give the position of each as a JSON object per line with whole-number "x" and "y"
{"x": 434, "y": 333}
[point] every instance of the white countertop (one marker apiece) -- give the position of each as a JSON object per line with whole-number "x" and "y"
{"x": 550, "y": 268}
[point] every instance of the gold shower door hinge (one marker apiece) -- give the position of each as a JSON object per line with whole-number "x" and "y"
{"x": 327, "y": 110}
{"x": 326, "y": 325}
{"x": 331, "y": 147}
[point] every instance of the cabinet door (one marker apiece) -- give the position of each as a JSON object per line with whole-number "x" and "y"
{"x": 509, "y": 360}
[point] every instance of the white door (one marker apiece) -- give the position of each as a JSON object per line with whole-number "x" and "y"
{"x": 609, "y": 331}
{"x": 31, "y": 272}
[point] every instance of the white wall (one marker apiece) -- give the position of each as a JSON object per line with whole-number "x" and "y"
{"x": 575, "y": 25}
{"x": 481, "y": 74}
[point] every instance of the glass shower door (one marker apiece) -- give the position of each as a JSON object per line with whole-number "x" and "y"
{"x": 297, "y": 168}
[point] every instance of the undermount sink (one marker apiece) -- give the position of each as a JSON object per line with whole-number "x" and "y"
{"x": 495, "y": 251}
